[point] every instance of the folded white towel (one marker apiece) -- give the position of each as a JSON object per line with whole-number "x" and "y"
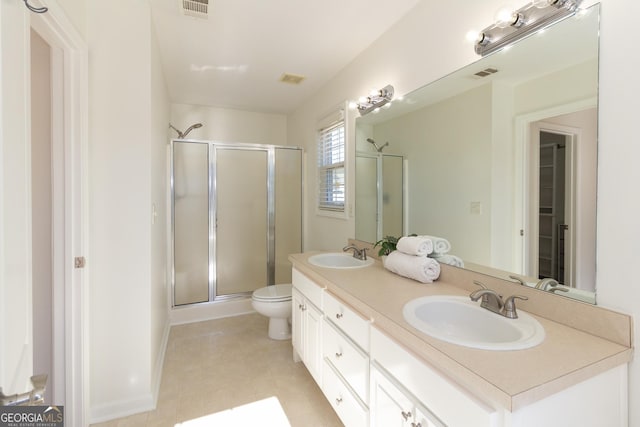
{"x": 415, "y": 245}
{"x": 448, "y": 259}
{"x": 440, "y": 245}
{"x": 420, "y": 268}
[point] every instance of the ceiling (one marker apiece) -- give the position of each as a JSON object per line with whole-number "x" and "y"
{"x": 236, "y": 56}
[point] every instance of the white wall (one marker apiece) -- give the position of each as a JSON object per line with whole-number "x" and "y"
{"x": 429, "y": 43}
{"x": 449, "y": 168}
{"x": 128, "y": 137}
{"x": 229, "y": 125}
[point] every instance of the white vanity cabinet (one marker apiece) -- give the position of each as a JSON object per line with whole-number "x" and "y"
{"x": 345, "y": 348}
{"x": 404, "y": 387}
{"x": 306, "y": 323}
{"x": 393, "y": 406}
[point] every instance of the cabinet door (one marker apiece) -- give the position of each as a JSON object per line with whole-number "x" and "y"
{"x": 424, "y": 418}
{"x": 297, "y": 324}
{"x": 313, "y": 341}
{"x": 389, "y": 406}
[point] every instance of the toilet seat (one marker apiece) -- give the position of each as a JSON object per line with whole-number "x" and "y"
{"x": 274, "y": 293}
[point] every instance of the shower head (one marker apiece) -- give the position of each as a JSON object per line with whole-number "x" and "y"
{"x": 186, "y": 132}
{"x": 190, "y": 128}
{"x": 379, "y": 149}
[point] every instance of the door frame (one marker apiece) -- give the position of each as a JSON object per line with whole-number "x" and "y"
{"x": 573, "y": 136}
{"x": 70, "y": 130}
{"x": 522, "y": 196}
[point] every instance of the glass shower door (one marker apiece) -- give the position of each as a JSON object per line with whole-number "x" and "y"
{"x": 241, "y": 220}
{"x": 190, "y": 222}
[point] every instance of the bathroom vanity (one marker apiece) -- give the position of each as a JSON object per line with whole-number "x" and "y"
{"x": 377, "y": 370}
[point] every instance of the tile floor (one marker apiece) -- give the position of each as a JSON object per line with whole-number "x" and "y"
{"x": 220, "y": 364}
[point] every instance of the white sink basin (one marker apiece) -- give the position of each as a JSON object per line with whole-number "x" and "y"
{"x": 459, "y": 320}
{"x": 338, "y": 260}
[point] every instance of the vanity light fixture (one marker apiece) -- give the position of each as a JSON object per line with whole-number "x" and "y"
{"x": 514, "y": 25}
{"x": 374, "y": 100}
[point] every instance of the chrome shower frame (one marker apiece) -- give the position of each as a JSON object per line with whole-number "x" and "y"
{"x": 212, "y": 147}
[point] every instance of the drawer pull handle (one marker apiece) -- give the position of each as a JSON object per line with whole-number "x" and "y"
{"x": 338, "y": 401}
{"x": 416, "y": 425}
{"x": 406, "y": 415}
{"x": 339, "y": 315}
{"x": 303, "y": 307}
{"x": 339, "y": 355}
{"x": 300, "y": 306}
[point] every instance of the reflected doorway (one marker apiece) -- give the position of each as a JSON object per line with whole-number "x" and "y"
{"x": 552, "y": 208}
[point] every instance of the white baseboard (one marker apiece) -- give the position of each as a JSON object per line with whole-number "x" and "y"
{"x": 122, "y": 408}
{"x": 208, "y": 311}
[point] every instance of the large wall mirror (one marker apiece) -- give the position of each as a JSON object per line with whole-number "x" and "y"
{"x": 500, "y": 158}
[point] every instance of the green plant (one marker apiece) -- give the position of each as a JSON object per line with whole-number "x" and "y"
{"x": 387, "y": 245}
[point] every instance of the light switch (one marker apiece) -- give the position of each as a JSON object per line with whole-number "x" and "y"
{"x": 475, "y": 208}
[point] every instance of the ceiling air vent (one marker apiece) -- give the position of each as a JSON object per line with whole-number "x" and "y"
{"x": 486, "y": 72}
{"x": 294, "y": 79}
{"x": 197, "y": 8}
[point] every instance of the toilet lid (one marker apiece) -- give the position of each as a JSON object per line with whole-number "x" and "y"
{"x": 273, "y": 293}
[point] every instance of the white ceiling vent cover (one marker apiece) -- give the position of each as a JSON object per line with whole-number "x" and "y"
{"x": 197, "y": 8}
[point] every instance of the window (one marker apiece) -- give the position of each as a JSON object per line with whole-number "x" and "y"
{"x": 331, "y": 167}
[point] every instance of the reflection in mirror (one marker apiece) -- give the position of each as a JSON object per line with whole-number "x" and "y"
{"x": 503, "y": 159}
{"x": 380, "y": 195}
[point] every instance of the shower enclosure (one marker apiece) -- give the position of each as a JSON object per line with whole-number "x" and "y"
{"x": 379, "y": 196}
{"x": 236, "y": 216}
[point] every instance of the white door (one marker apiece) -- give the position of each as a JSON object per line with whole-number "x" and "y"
{"x": 16, "y": 338}
{"x": 17, "y": 240}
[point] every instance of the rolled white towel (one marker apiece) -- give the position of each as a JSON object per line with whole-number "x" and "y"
{"x": 420, "y": 268}
{"x": 440, "y": 245}
{"x": 415, "y": 245}
{"x": 449, "y": 259}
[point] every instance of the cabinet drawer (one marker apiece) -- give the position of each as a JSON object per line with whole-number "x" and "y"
{"x": 348, "y": 407}
{"x": 312, "y": 291}
{"x": 453, "y": 405}
{"x": 356, "y": 327}
{"x": 351, "y": 362}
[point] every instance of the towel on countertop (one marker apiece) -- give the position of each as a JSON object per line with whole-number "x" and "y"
{"x": 415, "y": 245}
{"x": 420, "y": 268}
{"x": 440, "y": 245}
{"x": 448, "y": 259}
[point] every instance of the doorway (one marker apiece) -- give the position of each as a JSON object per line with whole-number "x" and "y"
{"x": 553, "y": 211}
{"x": 552, "y": 203}
{"x": 47, "y": 222}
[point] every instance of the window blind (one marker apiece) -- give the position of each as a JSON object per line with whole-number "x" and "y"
{"x": 331, "y": 170}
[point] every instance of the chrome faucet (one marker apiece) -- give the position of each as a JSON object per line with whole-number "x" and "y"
{"x": 492, "y": 301}
{"x": 360, "y": 254}
{"x": 545, "y": 283}
{"x": 555, "y": 289}
{"x": 518, "y": 279}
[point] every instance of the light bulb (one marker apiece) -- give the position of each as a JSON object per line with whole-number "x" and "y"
{"x": 353, "y": 105}
{"x": 473, "y": 36}
{"x": 363, "y": 100}
{"x": 505, "y": 17}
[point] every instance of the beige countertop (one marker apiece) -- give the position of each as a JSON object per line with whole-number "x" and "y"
{"x": 510, "y": 379}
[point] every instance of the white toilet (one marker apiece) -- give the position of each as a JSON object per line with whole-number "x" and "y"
{"x": 275, "y": 303}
